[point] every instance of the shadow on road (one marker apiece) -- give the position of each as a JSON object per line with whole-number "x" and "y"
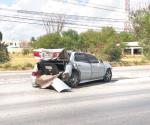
{"x": 95, "y": 83}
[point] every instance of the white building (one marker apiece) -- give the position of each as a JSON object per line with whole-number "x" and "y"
{"x": 12, "y": 43}
{"x": 16, "y": 46}
{"x": 133, "y": 48}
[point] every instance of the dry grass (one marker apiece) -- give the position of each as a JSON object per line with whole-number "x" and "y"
{"x": 21, "y": 59}
{"x": 129, "y": 58}
{"x": 19, "y": 62}
{"x": 135, "y": 58}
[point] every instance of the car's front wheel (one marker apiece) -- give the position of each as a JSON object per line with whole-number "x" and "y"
{"x": 74, "y": 80}
{"x": 107, "y": 76}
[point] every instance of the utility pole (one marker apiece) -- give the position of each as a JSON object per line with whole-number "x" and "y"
{"x": 127, "y": 26}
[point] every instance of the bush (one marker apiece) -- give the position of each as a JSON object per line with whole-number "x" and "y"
{"x": 29, "y": 65}
{"x": 16, "y": 67}
{"x": 113, "y": 54}
{"x": 6, "y": 66}
{"x": 146, "y": 52}
{"x": 26, "y": 51}
{"x": 4, "y": 57}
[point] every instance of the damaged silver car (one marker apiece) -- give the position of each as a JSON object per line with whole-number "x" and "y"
{"x": 71, "y": 67}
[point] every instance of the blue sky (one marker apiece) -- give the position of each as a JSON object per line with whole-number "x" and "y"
{"x": 7, "y": 2}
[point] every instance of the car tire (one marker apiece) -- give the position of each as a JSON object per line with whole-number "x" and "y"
{"x": 108, "y": 75}
{"x": 74, "y": 80}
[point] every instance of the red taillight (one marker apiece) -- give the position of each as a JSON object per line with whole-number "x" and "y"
{"x": 35, "y": 73}
{"x": 36, "y": 54}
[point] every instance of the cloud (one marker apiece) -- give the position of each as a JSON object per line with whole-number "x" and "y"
{"x": 22, "y": 31}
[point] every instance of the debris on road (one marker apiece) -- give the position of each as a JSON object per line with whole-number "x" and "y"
{"x": 46, "y": 81}
{"x": 59, "y": 85}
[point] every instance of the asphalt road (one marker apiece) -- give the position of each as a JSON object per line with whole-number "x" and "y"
{"x": 123, "y": 101}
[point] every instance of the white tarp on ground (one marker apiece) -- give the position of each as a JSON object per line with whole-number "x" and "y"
{"x": 46, "y": 81}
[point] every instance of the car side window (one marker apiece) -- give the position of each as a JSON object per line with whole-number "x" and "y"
{"x": 80, "y": 57}
{"x": 92, "y": 59}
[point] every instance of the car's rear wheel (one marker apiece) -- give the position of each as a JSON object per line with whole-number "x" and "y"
{"x": 107, "y": 76}
{"x": 74, "y": 80}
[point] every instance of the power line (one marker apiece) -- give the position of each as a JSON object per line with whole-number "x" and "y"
{"x": 96, "y": 6}
{"x": 68, "y": 25}
{"x": 54, "y": 21}
{"x": 71, "y": 21}
{"x": 66, "y": 20}
{"x": 17, "y": 21}
{"x": 35, "y": 13}
{"x": 56, "y": 14}
{"x": 86, "y": 2}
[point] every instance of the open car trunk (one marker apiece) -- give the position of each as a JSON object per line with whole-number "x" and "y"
{"x": 51, "y": 67}
{"x": 52, "y": 61}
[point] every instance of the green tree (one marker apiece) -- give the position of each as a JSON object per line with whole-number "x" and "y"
{"x": 141, "y": 24}
{"x": 107, "y": 33}
{"x": 32, "y": 40}
{"x": 1, "y": 36}
{"x": 112, "y": 44}
{"x": 4, "y": 56}
{"x": 105, "y": 44}
{"x": 127, "y": 37}
{"x": 89, "y": 39}
{"x": 112, "y": 52}
{"x": 71, "y": 39}
{"x": 52, "y": 40}
{"x": 72, "y": 34}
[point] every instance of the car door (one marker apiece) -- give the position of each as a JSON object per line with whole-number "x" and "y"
{"x": 96, "y": 67}
{"x": 83, "y": 65}
{"x": 102, "y": 69}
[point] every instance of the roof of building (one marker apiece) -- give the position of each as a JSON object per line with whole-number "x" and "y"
{"x": 132, "y": 44}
